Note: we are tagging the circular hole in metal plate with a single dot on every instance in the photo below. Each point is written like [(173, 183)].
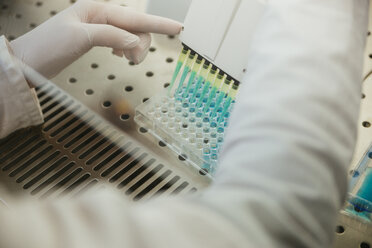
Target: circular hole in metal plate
[(145, 99), (340, 229), (18, 16), (94, 65), (125, 117), (370, 155), (171, 37), (39, 3), (152, 49), (149, 74), (53, 12), (72, 80), (131, 63), (106, 104), (89, 92), (143, 130), (111, 77), (366, 124), (166, 85), (182, 157), (129, 88), (364, 245), (169, 60), (32, 25), (162, 144)]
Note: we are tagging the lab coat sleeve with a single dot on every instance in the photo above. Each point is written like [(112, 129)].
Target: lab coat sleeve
[(282, 174), (292, 135), (19, 106)]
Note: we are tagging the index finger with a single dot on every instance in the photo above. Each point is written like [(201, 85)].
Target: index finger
[(133, 21)]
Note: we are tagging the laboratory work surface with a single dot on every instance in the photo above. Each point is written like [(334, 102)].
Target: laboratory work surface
[(90, 137)]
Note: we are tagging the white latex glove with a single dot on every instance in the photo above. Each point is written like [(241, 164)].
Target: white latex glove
[(58, 42)]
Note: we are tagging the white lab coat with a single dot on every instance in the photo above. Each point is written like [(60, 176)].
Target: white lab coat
[(282, 174)]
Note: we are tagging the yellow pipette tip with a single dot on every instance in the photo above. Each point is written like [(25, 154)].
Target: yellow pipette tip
[(198, 63), (226, 85), (219, 79), (234, 90), (183, 55), (212, 74), (191, 59)]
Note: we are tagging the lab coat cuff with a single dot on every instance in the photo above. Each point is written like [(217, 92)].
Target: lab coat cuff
[(28, 111)]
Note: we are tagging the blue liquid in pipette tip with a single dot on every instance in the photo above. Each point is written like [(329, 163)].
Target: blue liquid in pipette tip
[(203, 108), (210, 99), (175, 74), (205, 90), (182, 80), (191, 81), (196, 88), (225, 109), (218, 103)]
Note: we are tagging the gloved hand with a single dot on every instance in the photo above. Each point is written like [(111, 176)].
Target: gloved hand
[(58, 42)]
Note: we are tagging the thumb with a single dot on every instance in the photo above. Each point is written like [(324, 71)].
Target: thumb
[(110, 36)]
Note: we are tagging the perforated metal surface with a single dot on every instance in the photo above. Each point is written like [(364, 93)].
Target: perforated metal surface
[(350, 232), (74, 149), (113, 88)]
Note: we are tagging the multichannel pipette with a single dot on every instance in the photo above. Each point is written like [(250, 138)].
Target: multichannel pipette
[(194, 115)]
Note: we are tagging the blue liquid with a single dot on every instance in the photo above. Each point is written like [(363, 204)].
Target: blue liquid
[(365, 190), (218, 103), (175, 74), (183, 78), (362, 204), (206, 109), (205, 90), (210, 98), (191, 80), (196, 89), (225, 109)]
